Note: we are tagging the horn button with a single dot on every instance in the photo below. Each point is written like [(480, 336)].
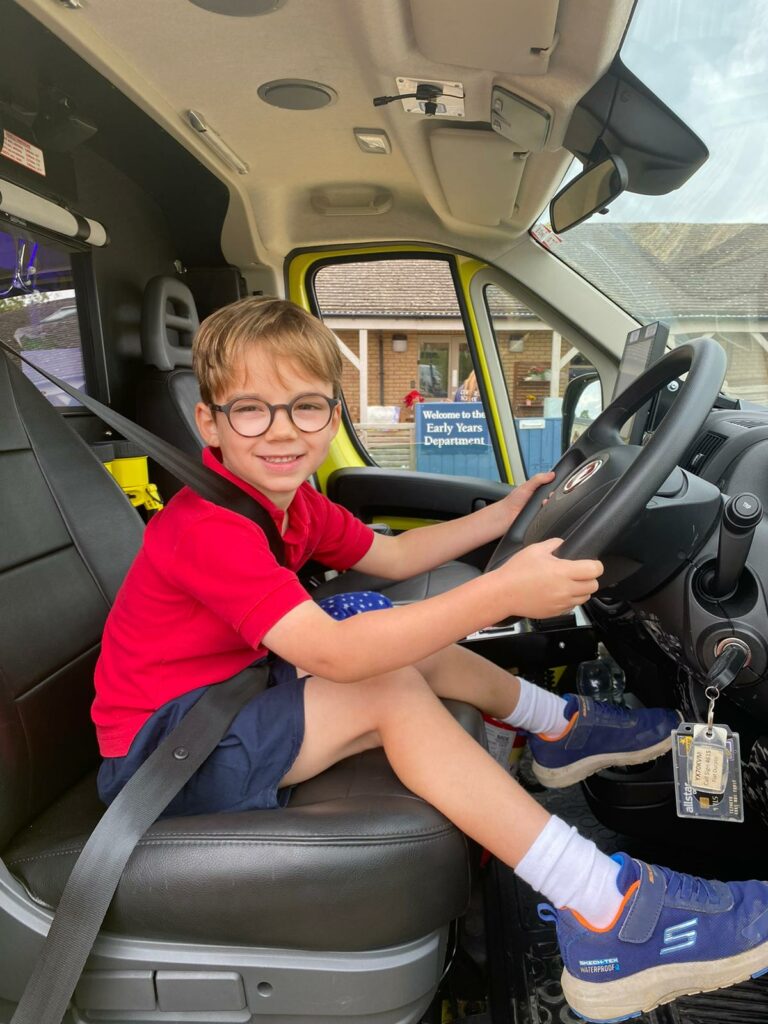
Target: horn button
[(580, 492)]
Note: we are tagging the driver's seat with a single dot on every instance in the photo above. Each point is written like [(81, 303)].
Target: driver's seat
[(336, 907)]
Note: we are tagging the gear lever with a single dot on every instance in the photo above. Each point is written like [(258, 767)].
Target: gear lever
[(741, 515)]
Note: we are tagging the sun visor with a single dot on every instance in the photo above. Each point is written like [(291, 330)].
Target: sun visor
[(496, 35), (620, 116), (479, 173)]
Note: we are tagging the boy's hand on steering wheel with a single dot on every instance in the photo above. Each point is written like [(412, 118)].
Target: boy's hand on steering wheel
[(516, 501), (542, 585)]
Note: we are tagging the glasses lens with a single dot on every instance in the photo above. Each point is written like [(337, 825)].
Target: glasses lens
[(311, 412), (249, 417)]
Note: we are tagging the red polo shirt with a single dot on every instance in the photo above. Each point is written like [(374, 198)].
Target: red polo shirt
[(201, 594)]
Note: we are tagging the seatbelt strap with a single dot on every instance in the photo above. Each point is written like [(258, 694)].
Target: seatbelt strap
[(96, 874), (188, 470)]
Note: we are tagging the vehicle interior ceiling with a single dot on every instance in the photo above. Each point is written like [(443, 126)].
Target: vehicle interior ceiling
[(109, 89), (454, 182)]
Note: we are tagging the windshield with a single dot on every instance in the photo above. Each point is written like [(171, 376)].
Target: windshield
[(696, 258)]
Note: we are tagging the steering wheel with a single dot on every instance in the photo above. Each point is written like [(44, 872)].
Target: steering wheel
[(601, 483)]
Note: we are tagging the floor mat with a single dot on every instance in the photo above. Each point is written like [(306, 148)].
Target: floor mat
[(525, 964)]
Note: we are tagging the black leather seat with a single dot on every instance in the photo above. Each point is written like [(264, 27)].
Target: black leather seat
[(346, 894), (166, 400)]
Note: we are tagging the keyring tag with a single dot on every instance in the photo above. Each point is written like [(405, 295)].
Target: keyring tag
[(702, 763), (708, 759)]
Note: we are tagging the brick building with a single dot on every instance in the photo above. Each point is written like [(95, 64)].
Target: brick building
[(401, 328), (405, 318)]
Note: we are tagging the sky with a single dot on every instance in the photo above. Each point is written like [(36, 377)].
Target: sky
[(708, 61)]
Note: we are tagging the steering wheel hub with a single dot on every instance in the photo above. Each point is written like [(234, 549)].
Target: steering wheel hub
[(582, 474)]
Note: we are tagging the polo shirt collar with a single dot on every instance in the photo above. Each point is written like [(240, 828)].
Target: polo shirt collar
[(296, 515)]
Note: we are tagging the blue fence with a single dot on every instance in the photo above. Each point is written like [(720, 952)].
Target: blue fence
[(452, 439), (540, 441)]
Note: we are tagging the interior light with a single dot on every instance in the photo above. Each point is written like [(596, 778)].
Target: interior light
[(372, 140), (215, 142)]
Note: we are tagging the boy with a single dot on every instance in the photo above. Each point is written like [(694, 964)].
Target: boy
[(205, 597)]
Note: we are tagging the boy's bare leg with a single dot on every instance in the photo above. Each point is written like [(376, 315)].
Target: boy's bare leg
[(460, 674), (429, 751)]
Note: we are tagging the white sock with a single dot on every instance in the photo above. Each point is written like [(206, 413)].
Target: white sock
[(571, 872), (538, 710)]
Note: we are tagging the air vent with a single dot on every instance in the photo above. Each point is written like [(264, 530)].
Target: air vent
[(703, 451)]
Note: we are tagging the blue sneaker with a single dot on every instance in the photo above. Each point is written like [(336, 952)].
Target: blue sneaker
[(600, 735), (674, 935)]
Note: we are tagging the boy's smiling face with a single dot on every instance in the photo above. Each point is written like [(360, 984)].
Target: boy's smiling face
[(278, 462)]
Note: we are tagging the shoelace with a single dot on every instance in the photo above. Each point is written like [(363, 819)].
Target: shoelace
[(602, 709), (691, 888)]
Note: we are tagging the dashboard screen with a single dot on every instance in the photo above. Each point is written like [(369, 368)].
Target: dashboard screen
[(643, 347)]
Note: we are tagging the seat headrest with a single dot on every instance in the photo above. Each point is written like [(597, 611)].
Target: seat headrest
[(168, 323)]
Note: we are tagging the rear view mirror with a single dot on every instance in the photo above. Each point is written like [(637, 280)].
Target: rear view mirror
[(592, 190)]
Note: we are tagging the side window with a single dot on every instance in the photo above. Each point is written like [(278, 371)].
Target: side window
[(409, 380), (38, 311), (538, 364)]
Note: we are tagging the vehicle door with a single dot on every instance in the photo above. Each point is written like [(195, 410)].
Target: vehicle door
[(453, 383)]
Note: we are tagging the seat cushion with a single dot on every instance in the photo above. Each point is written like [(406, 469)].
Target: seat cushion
[(416, 588), (354, 862)]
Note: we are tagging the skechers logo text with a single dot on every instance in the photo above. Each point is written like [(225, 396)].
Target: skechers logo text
[(679, 936), (605, 966)]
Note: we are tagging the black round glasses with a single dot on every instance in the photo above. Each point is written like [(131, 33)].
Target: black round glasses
[(252, 417)]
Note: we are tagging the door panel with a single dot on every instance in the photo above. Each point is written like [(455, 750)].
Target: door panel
[(404, 499)]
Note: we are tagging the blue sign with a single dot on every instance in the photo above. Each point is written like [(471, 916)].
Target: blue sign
[(452, 438), (446, 426)]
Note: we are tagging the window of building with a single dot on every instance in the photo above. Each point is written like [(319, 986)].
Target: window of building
[(38, 311), (407, 360)]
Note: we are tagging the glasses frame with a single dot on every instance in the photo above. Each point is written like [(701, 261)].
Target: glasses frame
[(226, 409)]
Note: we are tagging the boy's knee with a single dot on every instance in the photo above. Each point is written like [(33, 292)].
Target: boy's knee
[(401, 688)]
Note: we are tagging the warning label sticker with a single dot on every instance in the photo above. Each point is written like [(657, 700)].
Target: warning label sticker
[(22, 152)]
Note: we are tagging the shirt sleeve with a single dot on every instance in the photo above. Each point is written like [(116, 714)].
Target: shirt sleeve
[(344, 539), (224, 561)]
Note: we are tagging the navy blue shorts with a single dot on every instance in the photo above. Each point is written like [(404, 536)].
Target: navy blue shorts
[(245, 769)]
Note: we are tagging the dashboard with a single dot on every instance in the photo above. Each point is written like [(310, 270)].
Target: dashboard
[(680, 617)]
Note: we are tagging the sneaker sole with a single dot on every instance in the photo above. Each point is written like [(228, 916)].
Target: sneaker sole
[(568, 775), (642, 992)]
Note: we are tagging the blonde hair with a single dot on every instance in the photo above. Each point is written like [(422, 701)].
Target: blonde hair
[(282, 329), (469, 388)]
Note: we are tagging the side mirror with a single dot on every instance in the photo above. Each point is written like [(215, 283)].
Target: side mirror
[(582, 404), (592, 190)]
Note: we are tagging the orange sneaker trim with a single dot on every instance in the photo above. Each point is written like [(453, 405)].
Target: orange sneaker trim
[(601, 931), (549, 738)]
